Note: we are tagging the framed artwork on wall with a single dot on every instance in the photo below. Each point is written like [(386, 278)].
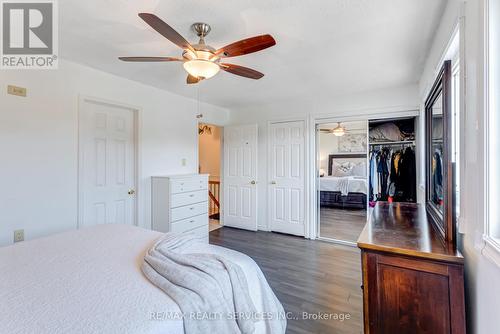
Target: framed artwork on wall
[(352, 143)]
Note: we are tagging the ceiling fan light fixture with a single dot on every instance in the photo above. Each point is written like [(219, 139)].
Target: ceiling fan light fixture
[(201, 68), (339, 131)]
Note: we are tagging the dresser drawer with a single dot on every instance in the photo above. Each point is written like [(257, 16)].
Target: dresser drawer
[(185, 185), (190, 224), (183, 212), (191, 197)]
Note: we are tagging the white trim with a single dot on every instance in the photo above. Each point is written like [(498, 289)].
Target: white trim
[(221, 177), (137, 112), (337, 241), (491, 247), (491, 250), (367, 113)]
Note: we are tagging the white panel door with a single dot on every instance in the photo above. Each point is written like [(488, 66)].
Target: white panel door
[(287, 177), (107, 164), (240, 177)]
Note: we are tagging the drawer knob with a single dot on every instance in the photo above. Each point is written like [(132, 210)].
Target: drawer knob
[(191, 208), (191, 221), (191, 195)]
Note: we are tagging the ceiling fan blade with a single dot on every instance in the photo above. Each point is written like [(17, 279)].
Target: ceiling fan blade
[(192, 79), (246, 46), (165, 30), (149, 59), (242, 71)]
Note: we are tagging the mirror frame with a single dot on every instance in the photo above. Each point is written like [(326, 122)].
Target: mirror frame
[(444, 222)]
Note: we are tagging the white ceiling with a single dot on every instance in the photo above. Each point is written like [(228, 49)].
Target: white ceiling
[(324, 47)]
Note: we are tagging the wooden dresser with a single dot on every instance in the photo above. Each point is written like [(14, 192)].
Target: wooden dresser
[(180, 203), (412, 283)]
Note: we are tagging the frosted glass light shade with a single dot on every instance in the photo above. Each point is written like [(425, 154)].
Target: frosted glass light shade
[(201, 68)]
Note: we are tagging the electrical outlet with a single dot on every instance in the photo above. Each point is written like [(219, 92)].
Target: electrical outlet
[(18, 235), (184, 162)]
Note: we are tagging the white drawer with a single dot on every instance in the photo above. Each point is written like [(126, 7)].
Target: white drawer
[(183, 212), (190, 223), (188, 198), (185, 185)]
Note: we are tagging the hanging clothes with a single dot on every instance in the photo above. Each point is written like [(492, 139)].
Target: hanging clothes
[(393, 175), (437, 175), (408, 175), (373, 176)]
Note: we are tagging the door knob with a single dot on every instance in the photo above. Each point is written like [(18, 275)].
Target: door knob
[(253, 182), (131, 191), (273, 182)]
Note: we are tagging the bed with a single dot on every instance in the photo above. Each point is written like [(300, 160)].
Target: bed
[(90, 281), (348, 191)]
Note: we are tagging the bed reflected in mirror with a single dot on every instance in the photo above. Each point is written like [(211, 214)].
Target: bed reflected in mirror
[(342, 180)]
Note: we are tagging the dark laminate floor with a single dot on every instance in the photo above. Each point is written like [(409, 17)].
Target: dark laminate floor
[(342, 224), (307, 276)]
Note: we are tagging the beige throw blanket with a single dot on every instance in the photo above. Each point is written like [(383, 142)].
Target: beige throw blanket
[(209, 289)]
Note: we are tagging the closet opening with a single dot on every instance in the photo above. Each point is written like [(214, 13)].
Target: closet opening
[(342, 184), (392, 161), (360, 163), (209, 162)]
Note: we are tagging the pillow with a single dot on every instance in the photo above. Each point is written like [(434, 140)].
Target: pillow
[(342, 169), (359, 169)]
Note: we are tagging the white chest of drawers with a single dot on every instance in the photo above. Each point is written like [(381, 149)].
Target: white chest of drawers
[(180, 203)]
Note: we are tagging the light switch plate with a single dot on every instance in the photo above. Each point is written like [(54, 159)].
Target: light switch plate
[(14, 90), (184, 161), (18, 235)]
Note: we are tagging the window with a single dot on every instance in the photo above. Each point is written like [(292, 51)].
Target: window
[(492, 228), (455, 129)]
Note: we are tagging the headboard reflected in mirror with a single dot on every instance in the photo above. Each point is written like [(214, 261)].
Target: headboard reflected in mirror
[(358, 161)]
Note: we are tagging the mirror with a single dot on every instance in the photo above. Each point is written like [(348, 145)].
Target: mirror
[(439, 171), (436, 186)]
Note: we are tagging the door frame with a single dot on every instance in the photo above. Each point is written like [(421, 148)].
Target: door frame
[(306, 172), (137, 112), (312, 227), (221, 162)]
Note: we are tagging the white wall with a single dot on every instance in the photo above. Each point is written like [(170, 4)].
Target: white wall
[(360, 104), (209, 146), (38, 143), (482, 275), (328, 144)]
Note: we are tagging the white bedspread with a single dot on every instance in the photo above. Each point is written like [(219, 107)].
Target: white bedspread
[(345, 185), (90, 281)]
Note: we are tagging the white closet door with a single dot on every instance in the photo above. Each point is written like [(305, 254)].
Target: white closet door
[(107, 164), (239, 206), (287, 177)]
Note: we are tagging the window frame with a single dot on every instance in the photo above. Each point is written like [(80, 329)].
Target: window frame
[(491, 247)]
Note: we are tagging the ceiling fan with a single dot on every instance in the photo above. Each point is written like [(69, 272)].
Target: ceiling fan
[(338, 131), (341, 130), (202, 61)]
